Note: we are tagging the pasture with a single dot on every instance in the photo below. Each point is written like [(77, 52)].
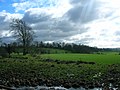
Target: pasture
[(104, 58)]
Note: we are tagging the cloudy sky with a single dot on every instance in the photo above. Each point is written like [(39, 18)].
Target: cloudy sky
[(89, 22)]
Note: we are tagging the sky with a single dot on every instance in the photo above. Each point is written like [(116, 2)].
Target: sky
[(91, 22)]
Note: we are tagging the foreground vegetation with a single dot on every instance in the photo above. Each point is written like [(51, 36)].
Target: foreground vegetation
[(68, 70)]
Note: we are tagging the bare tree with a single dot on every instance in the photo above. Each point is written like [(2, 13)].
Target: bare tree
[(22, 32)]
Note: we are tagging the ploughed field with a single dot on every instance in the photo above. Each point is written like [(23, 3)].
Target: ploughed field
[(67, 70)]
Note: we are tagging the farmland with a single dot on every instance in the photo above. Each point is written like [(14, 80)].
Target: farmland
[(104, 58), (68, 70)]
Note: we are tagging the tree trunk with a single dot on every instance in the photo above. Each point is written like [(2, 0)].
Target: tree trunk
[(24, 51), (24, 47)]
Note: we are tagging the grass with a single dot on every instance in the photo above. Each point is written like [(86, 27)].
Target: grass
[(53, 51), (107, 58)]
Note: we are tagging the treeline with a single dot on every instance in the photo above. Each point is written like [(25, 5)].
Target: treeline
[(41, 47), (46, 48), (72, 47)]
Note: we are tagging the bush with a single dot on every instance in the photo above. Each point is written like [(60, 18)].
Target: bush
[(3, 52)]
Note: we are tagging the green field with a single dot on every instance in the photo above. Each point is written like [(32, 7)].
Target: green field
[(106, 58)]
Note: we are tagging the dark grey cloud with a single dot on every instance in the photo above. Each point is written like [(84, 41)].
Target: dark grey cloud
[(52, 29), (6, 39), (58, 31), (35, 17), (83, 11), (45, 25), (64, 25)]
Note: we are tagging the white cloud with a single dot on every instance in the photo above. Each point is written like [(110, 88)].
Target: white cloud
[(8, 16), (104, 28), (5, 19), (5, 34), (23, 6), (55, 7), (103, 33)]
